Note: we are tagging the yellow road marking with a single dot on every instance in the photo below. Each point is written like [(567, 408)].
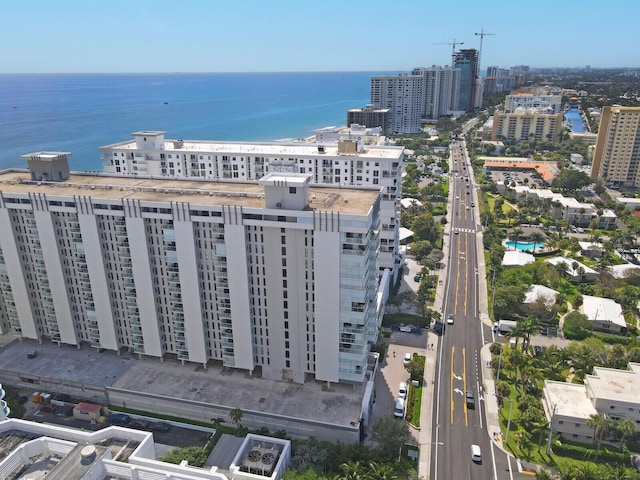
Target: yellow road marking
[(452, 392)]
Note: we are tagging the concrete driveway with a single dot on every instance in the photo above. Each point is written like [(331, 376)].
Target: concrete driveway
[(392, 372)]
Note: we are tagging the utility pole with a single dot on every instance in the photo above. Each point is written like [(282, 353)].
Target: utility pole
[(553, 416)]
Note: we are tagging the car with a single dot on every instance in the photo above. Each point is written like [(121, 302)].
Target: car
[(476, 454), (457, 197), (580, 230), (416, 277), (119, 418), (473, 204), (537, 349), (48, 408), (450, 319), (407, 358), (63, 412), (160, 427), (470, 399), (468, 207), (455, 230), (494, 327), (398, 410), (140, 424), (468, 192), (402, 390), (544, 331)]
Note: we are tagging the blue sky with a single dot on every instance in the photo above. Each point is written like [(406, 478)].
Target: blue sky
[(39, 36)]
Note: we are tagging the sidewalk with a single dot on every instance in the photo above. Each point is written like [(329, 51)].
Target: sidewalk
[(426, 411)]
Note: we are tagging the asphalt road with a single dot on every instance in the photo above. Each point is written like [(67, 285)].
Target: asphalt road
[(457, 426)]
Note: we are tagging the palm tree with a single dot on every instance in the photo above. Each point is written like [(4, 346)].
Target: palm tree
[(625, 427), (527, 327), (536, 238), (582, 361), (562, 267), (381, 471), (236, 415), (350, 471), (599, 422), (515, 235)]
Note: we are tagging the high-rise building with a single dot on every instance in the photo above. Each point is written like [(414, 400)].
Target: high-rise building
[(345, 163), (403, 96), (275, 275), (441, 85), (467, 61), (616, 159), (369, 116), (528, 124)]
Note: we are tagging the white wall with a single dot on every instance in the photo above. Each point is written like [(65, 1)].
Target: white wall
[(327, 280), (190, 290), (235, 243), (99, 286), (16, 275), (144, 285)]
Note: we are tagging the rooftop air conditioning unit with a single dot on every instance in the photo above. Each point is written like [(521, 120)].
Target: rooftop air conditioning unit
[(278, 205)]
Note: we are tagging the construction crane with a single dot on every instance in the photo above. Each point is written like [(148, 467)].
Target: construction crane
[(453, 47), (482, 34)]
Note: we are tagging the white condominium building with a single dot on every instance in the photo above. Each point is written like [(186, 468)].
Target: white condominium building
[(544, 102), (403, 96), (345, 163), (275, 275)]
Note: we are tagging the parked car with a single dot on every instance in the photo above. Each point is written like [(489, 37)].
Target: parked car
[(416, 277), (48, 408), (160, 427), (119, 418), (140, 424), (407, 358), (402, 390)]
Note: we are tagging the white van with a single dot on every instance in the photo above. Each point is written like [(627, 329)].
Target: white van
[(399, 410)]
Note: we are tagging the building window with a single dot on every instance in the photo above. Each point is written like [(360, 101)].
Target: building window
[(292, 190)]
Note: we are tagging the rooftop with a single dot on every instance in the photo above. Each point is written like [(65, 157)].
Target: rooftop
[(599, 309), (535, 292), (340, 405), (614, 384), (197, 192), (621, 271), (297, 149), (570, 399), (516, 258), (570, 261)]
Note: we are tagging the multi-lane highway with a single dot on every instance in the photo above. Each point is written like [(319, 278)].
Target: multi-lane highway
[(458, 423)]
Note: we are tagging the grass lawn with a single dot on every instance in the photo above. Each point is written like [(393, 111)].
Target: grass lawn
[(416, 405)]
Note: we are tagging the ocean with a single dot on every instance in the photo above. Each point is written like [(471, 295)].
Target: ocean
[(78, 113)]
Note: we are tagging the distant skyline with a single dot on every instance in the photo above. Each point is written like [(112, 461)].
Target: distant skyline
[(117, 36)]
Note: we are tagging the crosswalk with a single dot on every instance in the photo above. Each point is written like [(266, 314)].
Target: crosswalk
[(464, 230)]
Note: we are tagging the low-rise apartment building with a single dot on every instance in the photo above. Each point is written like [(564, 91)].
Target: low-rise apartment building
[(568, 209)]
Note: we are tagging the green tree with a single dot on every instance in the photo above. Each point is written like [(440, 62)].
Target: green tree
[(537, 238), (527, 327), (507, 300), (577, 326), (390, 434), (625, 427), (195, 456), (416, 367), (236, 415), (569, 180)]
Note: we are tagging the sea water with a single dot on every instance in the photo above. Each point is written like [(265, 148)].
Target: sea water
[(78, 113)]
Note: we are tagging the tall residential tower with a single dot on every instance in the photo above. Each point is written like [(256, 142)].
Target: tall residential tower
[(276, 275), (617, 155)]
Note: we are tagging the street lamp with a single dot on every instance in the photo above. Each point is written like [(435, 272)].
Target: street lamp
[(553, 416)]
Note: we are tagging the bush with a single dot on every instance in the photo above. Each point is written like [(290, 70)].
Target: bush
[(614, 339), (581, 452)]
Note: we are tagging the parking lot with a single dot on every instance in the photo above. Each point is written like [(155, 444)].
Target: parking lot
[(392, 371)]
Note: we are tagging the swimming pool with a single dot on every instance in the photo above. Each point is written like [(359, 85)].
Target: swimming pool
[(525, 246)]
